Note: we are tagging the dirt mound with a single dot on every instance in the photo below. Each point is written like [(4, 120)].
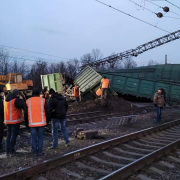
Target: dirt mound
[(112, 104)]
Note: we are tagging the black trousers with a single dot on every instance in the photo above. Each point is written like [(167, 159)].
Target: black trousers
[(1, 132), (103, 93), (12, 133)]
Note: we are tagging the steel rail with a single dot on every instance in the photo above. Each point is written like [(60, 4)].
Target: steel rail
[(66, 158), (96, 118), (133, 167)]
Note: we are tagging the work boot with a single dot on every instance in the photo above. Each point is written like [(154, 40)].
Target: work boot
[(52, 147), (67, 145)]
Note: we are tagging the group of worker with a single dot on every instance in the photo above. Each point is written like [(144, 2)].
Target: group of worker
[(38, 110)]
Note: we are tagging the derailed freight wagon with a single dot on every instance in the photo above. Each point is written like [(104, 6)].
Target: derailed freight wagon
[(88, 80), (55, 81), (165, 72), (142, 87)]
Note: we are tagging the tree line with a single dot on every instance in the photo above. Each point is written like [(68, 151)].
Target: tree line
[(68, 69)]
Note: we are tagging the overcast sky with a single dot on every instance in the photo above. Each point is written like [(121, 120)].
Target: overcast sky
[(71, 28)]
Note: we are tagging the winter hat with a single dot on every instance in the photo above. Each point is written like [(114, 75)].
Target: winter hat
[(15, 92), (51, 91), (45, 89), (35, 91)]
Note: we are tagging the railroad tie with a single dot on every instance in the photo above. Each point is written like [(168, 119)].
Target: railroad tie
[(164, 138), (118, 157), (106, 162), (145, 145), (171, 135), (130, 153), (156, 170), (41, 178), (168, 165), (138, 149), (151, 142), (174, 159), (70, 173), (83, 166), (144, 177), (160, 140), (178, 153)]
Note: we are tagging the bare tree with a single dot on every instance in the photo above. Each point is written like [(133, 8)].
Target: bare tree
[(72, 68), (86, 59), (152, 62), (37, 69), (129, 63), (19, 67), (4, 61), (96, 54)]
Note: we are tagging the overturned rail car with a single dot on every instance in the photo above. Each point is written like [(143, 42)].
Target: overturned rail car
[(88, 80)]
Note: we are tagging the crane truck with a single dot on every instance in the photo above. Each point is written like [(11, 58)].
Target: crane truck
[(13, 81)]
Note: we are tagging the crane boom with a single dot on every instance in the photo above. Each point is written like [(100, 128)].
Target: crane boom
[(139, 50)]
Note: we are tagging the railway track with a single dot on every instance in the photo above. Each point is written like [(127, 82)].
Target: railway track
[(117, 158)]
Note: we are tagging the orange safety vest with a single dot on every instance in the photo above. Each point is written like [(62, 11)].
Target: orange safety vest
[(76, 92), (105, 83), (98, 92), (36, 112), (12, 115)]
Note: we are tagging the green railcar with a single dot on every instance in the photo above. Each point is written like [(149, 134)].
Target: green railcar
[(165, 72), (141, 87), (54, 81), (88, 80)]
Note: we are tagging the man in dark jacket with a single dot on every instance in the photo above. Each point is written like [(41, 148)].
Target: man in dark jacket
[(58, 109), (158, 101), (1, 117), (17, 104)]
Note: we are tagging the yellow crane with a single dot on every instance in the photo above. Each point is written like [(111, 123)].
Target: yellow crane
[(15, 81)]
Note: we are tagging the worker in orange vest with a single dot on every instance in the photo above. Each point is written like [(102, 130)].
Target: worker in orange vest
[(13, 116), (104, 86), (76, 92), (35, 113)]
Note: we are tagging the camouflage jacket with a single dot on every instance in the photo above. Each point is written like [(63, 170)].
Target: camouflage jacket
[(159, 99)]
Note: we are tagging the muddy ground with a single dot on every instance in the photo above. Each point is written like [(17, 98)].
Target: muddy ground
[(112, 104), (107, 129)]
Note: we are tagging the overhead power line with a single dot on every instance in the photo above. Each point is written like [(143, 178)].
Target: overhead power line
[(132, 16), (157, 14), (162, 7), (172, 4), (27, 59), (36, 52), (142, 6), (18, 55)]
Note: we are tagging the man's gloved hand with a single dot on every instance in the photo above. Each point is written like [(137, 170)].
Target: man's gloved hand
[(155, 105)]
